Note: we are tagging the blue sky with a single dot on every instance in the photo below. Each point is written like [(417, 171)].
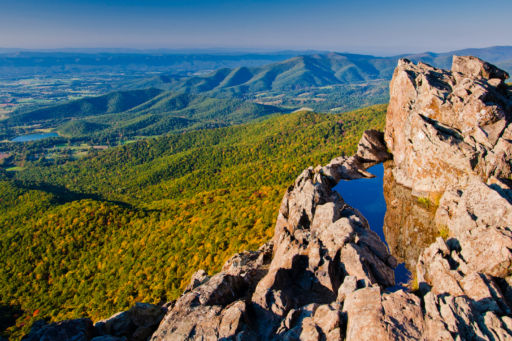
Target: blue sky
[(367, 26)]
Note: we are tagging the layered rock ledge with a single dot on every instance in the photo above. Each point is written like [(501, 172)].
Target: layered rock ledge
[(325, 275)]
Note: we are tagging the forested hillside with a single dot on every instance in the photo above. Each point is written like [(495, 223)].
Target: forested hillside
[(90, 106), (94, 236), (139, 113)]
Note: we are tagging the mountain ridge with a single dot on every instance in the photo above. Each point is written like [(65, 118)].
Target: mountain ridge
[(141, 113), (331, 68)]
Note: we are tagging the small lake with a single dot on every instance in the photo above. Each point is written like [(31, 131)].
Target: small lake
[(367, 196), (34, 137)]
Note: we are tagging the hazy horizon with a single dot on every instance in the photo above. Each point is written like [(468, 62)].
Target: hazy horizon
[(365, 26), (218, 51)]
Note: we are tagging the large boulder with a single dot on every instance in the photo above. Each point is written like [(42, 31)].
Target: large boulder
[(374, 315), (72, 330), (135, 324), (443, 126)]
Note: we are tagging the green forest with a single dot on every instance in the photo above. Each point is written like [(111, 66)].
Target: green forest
[(133, 223)]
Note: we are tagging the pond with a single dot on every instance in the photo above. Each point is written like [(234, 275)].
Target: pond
[(367, 196), (34, 137)]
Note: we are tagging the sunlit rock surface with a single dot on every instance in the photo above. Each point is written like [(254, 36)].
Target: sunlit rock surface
[(443, 127)]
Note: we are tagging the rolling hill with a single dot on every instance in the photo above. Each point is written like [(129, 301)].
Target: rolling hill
[(316, 70), (296, 73), (113, 102), (141, 113)]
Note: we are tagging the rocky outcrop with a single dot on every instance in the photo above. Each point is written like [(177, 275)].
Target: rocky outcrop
[(443, 127), (79, 330), (135, 324), (217, 307), (370, 151), (325, 275), (449, 132), (295, 285)]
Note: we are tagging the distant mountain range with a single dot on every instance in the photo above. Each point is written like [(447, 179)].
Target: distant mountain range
[(166, 103), (315, 70), (248, 67), (77, 62), (295, 73)]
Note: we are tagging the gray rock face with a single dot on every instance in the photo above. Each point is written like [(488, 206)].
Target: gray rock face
[(477, 68), (76, 330), (135, 324), (374, 315), (449, 133), (198, 278), (371, 148)]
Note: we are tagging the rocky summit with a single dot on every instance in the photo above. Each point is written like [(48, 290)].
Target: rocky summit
[(325, 275), (445, 127)]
